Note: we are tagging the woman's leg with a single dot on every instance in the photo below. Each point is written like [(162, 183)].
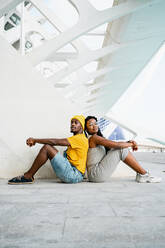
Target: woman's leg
[(142, 175), (104, 169), (131, 162), (46, 152)]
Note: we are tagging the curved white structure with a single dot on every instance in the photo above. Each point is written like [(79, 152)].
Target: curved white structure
[(42, 86)]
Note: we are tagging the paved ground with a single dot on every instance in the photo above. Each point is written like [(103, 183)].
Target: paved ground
[(117, 214)]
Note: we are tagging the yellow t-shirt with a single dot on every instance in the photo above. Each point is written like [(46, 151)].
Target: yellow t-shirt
[(77, 151)]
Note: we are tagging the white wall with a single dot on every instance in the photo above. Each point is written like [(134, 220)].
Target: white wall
[(29, 107)]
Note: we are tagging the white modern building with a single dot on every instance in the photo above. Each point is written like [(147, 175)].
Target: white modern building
[(59, 58)]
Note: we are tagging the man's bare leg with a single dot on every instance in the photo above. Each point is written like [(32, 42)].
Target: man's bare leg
[(131, 161), (46, 152)]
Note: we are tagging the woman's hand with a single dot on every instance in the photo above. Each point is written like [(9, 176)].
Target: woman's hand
[(30, 142)]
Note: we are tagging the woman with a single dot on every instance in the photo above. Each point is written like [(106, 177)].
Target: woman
[(104, 155)]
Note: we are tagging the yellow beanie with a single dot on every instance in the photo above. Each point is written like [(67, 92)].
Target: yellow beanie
[(81, 119)]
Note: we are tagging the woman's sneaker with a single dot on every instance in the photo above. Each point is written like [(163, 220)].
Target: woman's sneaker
[(147, 178)]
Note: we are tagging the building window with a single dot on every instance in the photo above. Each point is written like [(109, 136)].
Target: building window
[(15, 19), (8, 26), (28, 44)]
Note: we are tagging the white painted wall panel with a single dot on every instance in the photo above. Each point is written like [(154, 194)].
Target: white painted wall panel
[(29, 106)]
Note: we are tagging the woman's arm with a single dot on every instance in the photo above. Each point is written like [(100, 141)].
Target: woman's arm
[(97, 140), (52, 142)]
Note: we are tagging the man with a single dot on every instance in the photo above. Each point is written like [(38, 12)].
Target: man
[(70, 168)]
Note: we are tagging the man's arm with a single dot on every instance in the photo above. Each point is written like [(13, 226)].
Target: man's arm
[(53, 142)]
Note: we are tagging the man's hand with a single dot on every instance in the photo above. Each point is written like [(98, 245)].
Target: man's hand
[(30, 142), (135, 145)]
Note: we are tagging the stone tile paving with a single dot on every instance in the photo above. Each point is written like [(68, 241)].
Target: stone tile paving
[(118, 214)]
